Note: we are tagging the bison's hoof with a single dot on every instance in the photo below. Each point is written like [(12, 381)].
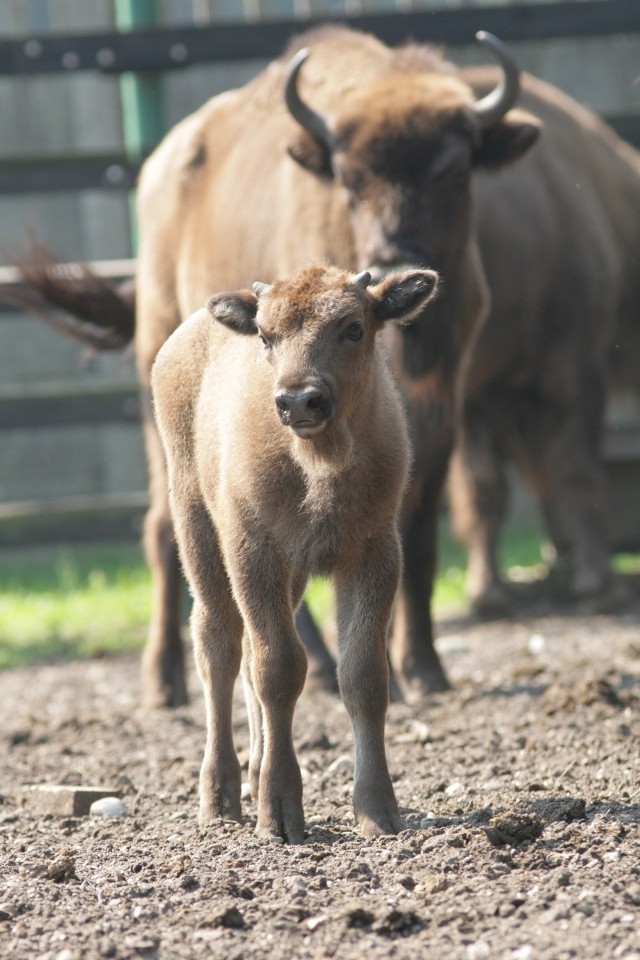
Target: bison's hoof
[(493, 603), (421, 683), (323, 680), (163, 687)]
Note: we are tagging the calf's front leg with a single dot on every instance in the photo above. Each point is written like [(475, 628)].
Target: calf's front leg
[(365, 593), (274, 674), (216, 628)]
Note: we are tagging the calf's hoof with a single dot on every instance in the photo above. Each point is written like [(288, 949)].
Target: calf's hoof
[(220, 793), (380, 822), (375, 805), (212, 811), (285, 825)]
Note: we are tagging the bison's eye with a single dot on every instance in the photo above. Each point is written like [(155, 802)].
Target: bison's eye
[(354, 332)]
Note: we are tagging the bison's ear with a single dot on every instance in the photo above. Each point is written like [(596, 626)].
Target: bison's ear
[(402, 296), (235, 310), (507, 140), (311, 154)]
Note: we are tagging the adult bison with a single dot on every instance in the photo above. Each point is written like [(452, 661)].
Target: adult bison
[(376, 158), (344, 150)]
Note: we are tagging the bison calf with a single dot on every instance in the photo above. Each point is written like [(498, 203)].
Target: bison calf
[(287, 453)]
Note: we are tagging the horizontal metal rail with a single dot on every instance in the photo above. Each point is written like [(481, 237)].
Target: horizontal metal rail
[(82, 519), (166, 48), (72, 172), (69, 404)]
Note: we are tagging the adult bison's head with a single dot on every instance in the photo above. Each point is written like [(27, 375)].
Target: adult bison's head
[(404, 147)]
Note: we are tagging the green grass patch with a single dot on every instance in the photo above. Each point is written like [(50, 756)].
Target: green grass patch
[(520, 550), (72, 602), (91, 601)]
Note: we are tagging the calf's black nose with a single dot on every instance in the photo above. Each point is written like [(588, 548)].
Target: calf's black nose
[(303, 407)]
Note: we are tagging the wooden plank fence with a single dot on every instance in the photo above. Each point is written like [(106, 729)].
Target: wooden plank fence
[(54, 405)]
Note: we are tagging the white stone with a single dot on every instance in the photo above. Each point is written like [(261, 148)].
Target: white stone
[(525, 952), (454, 789), (537, 643), (342, 764), (107, 807)]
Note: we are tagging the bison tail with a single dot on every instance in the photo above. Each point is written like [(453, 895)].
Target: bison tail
[(75, 299)]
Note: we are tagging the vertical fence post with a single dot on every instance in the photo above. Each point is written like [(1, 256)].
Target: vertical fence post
[(141, 97)]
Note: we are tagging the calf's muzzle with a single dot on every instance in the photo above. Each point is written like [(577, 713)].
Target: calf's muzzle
[(306, 410)]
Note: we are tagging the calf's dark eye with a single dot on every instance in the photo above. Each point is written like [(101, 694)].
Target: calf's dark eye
[(354, 332)]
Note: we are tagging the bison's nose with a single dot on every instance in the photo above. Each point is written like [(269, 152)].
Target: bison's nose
[(304, 410)]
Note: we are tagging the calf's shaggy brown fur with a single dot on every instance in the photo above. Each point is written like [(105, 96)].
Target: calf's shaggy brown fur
[(287, 452)]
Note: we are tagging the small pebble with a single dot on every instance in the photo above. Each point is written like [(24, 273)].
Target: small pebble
[(107, 807), (454, 789), (342, 764), (537, 643)]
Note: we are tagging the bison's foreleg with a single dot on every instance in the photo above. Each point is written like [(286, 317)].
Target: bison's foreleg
[(163, 678), (413, 653), (321, 674), (365, 593), (566, 469), (478, 497)]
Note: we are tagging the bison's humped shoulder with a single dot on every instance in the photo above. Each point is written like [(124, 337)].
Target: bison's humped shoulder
[(184, 150)]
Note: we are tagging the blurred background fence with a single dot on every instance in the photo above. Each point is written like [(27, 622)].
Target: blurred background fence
[(87, 88)]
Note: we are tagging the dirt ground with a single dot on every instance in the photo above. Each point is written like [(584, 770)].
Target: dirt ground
[(521, 792)]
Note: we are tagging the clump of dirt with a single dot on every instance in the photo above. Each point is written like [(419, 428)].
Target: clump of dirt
[(510, 829), (63, 868), (588, 691), (560, 808)]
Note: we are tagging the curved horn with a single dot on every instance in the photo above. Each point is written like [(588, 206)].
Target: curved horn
[(260, 288), (494, 105), (362, 280), (314, 123)]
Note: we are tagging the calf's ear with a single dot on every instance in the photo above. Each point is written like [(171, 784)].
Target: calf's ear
[(402, 296), (237, 311)]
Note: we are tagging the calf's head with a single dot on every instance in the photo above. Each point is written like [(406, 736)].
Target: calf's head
[(403, 148), (317, 334)]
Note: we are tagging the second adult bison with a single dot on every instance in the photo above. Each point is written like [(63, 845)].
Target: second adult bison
[(375, 158)]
